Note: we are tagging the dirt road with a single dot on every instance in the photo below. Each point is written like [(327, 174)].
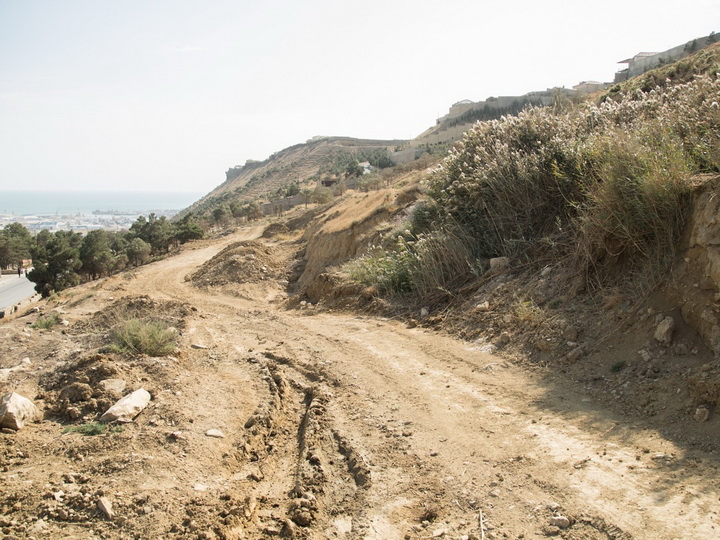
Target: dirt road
[(343, 426)]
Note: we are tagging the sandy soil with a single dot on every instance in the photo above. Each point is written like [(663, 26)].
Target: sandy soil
[(335, 426)]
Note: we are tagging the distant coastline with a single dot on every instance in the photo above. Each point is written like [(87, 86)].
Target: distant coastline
[(49, 203)]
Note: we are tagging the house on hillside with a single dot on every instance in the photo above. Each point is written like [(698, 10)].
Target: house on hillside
[(637, 65), (645, 61)]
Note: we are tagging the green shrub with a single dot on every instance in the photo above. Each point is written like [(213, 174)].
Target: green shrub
[(424, 266), (138, 336), (92, 428), (47, 322)]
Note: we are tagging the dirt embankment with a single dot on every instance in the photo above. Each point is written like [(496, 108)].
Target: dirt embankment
[(345, 231)]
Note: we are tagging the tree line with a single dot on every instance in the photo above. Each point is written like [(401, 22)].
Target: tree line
[(64, 259)]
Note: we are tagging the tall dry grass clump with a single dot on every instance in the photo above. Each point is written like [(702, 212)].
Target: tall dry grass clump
[(606, 185)]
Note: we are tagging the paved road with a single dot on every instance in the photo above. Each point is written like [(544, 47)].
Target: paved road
[(14, 289)]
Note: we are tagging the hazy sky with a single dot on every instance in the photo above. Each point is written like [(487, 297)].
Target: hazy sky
[(168, 94)]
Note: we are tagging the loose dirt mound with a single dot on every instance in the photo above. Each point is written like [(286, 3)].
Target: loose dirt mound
[(275, 229), (241, 262), (136, 307)]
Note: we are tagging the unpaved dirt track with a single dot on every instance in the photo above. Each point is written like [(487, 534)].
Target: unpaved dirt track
[(343, 426), (442, 438)]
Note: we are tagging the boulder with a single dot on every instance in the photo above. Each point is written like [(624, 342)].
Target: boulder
[(128, 407), (16, 410)]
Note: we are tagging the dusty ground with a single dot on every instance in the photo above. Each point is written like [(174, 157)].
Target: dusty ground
[(335, 426)]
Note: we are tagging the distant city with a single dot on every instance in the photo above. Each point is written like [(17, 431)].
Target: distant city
[(109, 221), (89, 210)]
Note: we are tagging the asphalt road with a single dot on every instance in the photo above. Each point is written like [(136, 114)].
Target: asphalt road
[(14, 289)]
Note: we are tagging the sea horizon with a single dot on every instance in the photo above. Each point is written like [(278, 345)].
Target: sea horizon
[(68, 202)]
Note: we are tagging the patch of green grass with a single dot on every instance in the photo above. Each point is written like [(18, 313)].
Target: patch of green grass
[(138, 336), (47, 322), (92, 428)]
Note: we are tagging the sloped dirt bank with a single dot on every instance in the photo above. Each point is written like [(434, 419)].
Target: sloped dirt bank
[(344, 231)]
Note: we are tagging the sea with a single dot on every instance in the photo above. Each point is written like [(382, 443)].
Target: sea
[(52, 203)]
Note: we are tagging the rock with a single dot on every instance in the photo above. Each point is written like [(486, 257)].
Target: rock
[(483, 306), (199, 346), (128, 407), (16, 411), (22, 366), (215, 433), (112, 385), (702, 414), (664, 330), (498, 264), (551, 530), (502, 340), (645, 355), (574, 355), (424, 312), (559, 521), (105, 506), (303, 517)]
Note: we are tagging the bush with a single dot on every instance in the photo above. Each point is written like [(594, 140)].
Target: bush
[(47, 322), (138, 336), (427, 266), (606, 185)]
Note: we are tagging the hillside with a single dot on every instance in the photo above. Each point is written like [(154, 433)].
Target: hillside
[(302, 165)]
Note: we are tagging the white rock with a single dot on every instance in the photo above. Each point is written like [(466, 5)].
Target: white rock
[(664, 330), (105, 506), (128, 407), (560, 521), (215, 433), (199, 346), (16, 410), (112, 385), (424, 312)]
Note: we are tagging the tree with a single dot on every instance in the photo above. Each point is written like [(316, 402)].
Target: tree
[(56, 261), (188, 229), (137, 251), (95, 254), (354, 170), (221, 214), (158, 232), (15, 242)]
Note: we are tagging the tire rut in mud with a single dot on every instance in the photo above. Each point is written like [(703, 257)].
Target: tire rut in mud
[(300, 474)]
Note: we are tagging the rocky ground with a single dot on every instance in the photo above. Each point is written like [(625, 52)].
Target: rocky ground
[(314, 422)]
